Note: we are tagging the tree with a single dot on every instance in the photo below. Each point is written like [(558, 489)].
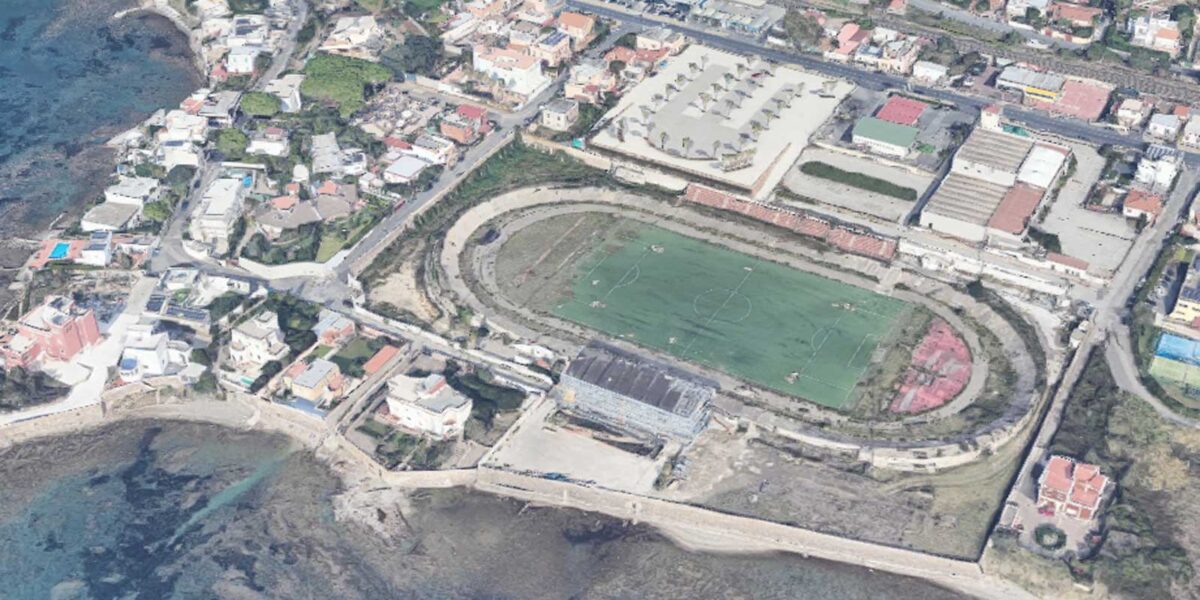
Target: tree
[(260, 104), (616, 66), (232, 143), (156, 211), (802, 29), (341, 80), (418, 54), (180, 177)]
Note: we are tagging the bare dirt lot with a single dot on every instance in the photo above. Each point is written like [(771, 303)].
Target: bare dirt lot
[(767, 476)]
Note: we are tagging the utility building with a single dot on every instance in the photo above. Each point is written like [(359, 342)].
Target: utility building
[(635, 394)]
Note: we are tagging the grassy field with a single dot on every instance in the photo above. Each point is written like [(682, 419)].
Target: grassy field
[(783, 329)]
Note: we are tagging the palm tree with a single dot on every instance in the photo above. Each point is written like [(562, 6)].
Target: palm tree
[(741, 69), (716, 147), (687, 145), (728, 77), (662, 138), (704, 100)]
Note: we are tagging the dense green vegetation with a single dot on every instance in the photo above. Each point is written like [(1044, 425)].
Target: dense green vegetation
[(231, 142), (1149, 460), (516, 165), (297, 318), (351, 358), (21, 389), (260, 104), (858, 180), (341, 81), (418, 54), (488, 398)]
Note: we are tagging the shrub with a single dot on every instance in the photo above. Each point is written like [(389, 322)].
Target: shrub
[(858, 180)]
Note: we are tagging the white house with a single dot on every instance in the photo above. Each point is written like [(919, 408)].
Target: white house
[(1156, 33), (287, 89), (240, 60), (433, 149), (405, 169), (271, 141), (220, 207), (149, 354), (520, 73), (929, 72), (1158, 168), (256, 342), (179, 125), (1131, 113), (132, 190), (98, 251), (1164, 127), (427, 405)]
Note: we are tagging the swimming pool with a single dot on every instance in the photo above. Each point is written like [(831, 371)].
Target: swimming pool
[(60, 251)]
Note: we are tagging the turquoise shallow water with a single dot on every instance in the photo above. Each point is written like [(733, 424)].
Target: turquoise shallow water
[(70, 77), (172, 510)]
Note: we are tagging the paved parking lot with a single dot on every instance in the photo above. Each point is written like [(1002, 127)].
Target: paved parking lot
[(876, 206), (1102, 239)]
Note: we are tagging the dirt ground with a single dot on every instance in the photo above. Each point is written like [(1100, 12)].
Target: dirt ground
[(402, 290), (765, 476)]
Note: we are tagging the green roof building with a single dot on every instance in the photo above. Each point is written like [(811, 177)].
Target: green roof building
[(884, 137)]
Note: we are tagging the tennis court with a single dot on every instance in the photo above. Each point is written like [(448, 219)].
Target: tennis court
[(774, 326)]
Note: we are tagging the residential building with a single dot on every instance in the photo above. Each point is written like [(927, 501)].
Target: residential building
[(1187, 305), (256, 342), (635, 393), (590, 81), (1164, 127), (1158, 168), (1017, 9), (110, 216), (1191, 134), (180, 125), (516, 71), (1072, 488), (326, 154), (220, 208), (98, 251), (404, 170), (56, 330), (333, 328), (356, 37), (883, 137), (148, 354), (1131, 112), (1140, 204), (1032, 84), (177, 153), (465, 125), (241, 60), (380, 360), (248, 30), (434, 150), (427, 405), (133, 190), (271, 141), (553, 49), (1156, 33), (660, 38), (287, 89), (219, 107), (318, 381), (929, 72), (560, 114), (578, 27)]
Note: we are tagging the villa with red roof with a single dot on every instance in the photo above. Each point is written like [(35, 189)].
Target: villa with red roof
[(1140, 203), (1072, 488)]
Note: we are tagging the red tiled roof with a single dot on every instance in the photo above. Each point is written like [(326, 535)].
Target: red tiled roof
[(470, 111), (1018, 205), (1144, 201), (1057, 476), (901, 110), (375, 363), (1069, 261)]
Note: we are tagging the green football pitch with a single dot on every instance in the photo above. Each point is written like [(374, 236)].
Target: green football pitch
[(771, 325)]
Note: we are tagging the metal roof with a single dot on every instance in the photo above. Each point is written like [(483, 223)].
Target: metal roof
[(642, 379)]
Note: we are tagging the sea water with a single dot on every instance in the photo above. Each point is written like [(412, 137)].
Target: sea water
[(174, 510), (71, 76)]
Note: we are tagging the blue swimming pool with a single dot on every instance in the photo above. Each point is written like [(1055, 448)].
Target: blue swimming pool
[(60, 251)]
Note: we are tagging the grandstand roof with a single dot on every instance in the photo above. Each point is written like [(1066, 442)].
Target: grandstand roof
[(967, 199), (642, 379)]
